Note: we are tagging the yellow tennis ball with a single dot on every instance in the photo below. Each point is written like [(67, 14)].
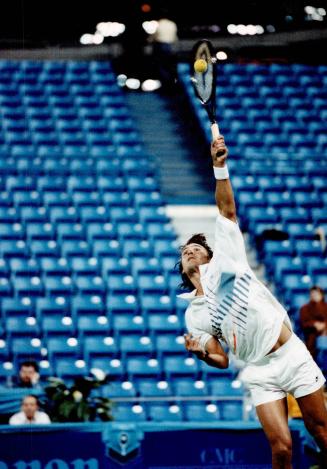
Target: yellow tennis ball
[(200, 66)]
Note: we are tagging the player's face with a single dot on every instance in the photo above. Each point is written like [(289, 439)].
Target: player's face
[(194, 255)]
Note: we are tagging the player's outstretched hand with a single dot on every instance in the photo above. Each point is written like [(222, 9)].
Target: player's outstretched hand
[(219, 152)]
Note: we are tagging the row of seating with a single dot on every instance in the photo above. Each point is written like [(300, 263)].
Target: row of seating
[(210, 411)]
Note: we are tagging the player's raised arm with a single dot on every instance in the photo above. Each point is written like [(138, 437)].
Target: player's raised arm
[(224, 192)]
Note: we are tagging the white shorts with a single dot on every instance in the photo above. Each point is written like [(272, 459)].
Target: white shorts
[(291, 369)]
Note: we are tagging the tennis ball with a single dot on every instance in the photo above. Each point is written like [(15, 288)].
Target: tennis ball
[(200, 66)]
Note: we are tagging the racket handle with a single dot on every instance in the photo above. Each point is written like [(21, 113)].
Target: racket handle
[(215, 131)]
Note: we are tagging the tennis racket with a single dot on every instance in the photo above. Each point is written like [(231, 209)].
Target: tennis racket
[(204, 81)]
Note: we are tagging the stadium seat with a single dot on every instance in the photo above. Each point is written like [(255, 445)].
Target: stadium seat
[(231, 411), (188, 387), (137, 367), (114, 367), (154, 388), (136, 345), (161, 412), (117, 389), (70, 367), (101, 346), (179, 365), (129, 413), (201, 412)]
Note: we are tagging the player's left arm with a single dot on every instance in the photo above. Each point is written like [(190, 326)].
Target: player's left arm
[(214, 354), (224, 192)]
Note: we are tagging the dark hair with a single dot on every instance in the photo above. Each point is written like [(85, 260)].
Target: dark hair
[(30, 363), (200, 239)]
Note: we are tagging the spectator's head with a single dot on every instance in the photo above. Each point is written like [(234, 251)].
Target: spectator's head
[(29, 373), (195, 252), (30, 405), (316, 294)]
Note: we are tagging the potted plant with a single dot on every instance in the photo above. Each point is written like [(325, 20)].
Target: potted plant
[(76, 403)]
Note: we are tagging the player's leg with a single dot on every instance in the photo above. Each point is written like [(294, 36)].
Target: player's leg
[(314, 414), (273, 417)]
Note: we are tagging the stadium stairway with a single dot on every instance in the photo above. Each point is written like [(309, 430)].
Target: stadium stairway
[(171, 136)]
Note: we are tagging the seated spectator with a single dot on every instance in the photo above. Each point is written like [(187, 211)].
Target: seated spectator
[(29, 413), (28, 376), (313, 318)]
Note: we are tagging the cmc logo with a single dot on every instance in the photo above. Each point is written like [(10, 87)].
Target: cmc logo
[(224, 456), (52, 464)]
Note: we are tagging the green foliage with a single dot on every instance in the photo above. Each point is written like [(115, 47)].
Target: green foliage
[(76, 403)]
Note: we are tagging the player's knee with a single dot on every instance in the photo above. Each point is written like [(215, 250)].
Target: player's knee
[(282, 448)]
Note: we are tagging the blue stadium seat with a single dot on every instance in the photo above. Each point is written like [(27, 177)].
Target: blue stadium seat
[(87, 305), (99, 346), (135, 344), (179, 365), (308, 248), (186, 387), (28, 285), (58, 285), (231, 411), (117, 389), (129, 413), (138, 367), (156, 303), (161, 412), (169, 343), (201, 412), (128, 324), (51, 306), (225, 387), (84, 266), (56, 325), (16, 326), (89, 284), (154, 388), (12, 248), (23, 348), (114, 367), (70, 367), (121, 283)]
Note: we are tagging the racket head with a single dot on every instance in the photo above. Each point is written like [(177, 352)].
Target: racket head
[(204, 83)]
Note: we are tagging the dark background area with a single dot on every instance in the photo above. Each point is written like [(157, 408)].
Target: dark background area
[(35, 23)]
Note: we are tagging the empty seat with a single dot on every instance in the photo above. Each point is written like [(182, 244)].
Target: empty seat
[(129, 413), (142, 366), (189, 387), (179, 365), (201, 412), (133, 345), (161, 412), (154, 388)]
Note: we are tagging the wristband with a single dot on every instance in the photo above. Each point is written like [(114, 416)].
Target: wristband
[(221, 173)]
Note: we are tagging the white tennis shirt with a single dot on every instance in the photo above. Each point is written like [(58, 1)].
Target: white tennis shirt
[(236, 307)]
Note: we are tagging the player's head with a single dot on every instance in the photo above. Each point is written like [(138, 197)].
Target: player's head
[(316, 294), (194, 252)]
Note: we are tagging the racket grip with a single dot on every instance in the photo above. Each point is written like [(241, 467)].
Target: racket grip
[(215, 131)]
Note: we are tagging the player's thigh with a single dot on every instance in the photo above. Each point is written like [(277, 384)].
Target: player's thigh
[(273, 417), (313, 410)]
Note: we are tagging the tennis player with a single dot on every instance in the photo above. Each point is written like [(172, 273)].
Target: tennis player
[(229, 306)]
